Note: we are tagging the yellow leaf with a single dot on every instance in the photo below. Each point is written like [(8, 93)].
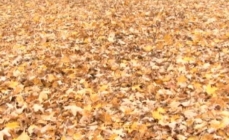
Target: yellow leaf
[(21, 68), (181, 79), (211, 90), (166, 78), (23, 136), (103, 88), (225, 122), (187, 59), (193, 138), (136, 88), (43, 96), (65, 59), (143, 128), (36, 18), (37, 81), (51, 77), (19, 47), (197, 85), (111, 37), (156, 115), (161, 110), (107, 118), (63, 138), (225, 50), (87, 108), (99, 137), (113, 137), (134, 126), (13, 84), (18, 89), (77, 136), (215, 124), (12, 125), (207, 137), (168, 39), (94, 97), (20, 100), (148, 48), (208, 76)]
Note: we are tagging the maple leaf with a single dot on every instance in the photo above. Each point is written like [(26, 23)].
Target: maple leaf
[(157, 114), (211, 90)]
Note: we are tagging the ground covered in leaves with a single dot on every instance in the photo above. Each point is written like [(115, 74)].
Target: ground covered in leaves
[(114, 69)]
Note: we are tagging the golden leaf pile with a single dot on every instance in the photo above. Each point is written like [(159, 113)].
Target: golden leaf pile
[(114, 69)]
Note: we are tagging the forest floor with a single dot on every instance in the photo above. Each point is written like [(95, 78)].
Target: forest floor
[(114, 69)]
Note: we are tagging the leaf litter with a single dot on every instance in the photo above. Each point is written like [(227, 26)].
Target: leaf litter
[(124, 69)]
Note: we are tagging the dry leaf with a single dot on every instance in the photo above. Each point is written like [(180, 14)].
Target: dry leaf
[(211, 90), (23, 136), (148, 48), (38, 107), (32, 128), (111, 37), (13, 84), (43, 96), (12, 125), (114, 70), (74, 109)]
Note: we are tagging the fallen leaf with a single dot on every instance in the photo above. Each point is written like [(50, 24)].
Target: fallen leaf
[(148, 48), (12, 125), (43, 96), (74, 109), (211, 90), (23, 136), (13, 84), (32, 128), (157, 115), (111, 37)]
